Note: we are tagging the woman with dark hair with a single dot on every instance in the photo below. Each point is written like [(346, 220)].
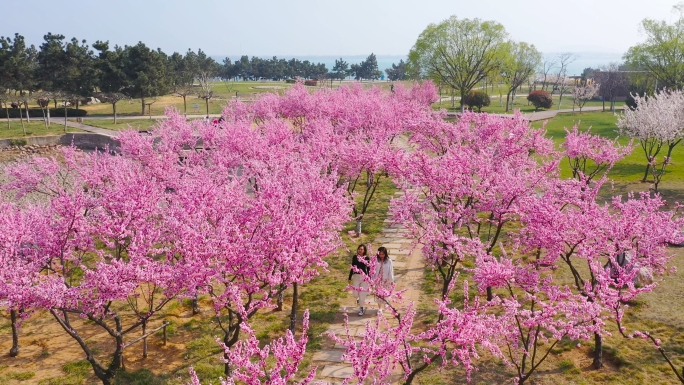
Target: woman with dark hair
[(361, 262), (384, 274)]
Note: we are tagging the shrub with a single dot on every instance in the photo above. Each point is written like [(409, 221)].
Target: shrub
[(290, 81), (540, 99), (38, 113), (17, 142), (311, 82), (477, 99)]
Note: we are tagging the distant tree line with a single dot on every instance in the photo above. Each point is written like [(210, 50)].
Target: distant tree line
[(70, 70)]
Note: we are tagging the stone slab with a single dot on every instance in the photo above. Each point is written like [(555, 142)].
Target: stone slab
[(328, 355), (357, 322), (394, 237), (402, 240), (400, 252), (392, 245), (399, 265), (337, 371), (340, 331)]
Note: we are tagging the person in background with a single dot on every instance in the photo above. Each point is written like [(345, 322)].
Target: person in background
[(361, 262)]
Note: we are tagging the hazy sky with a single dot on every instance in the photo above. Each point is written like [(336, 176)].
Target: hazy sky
[(322, 27)]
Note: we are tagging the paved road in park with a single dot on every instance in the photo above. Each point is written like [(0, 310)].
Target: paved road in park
[(542, 115)]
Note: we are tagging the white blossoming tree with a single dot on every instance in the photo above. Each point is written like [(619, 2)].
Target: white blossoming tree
[(582, 94), (656, 122)]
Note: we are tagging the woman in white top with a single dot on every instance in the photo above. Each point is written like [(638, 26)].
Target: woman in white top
[(384, 271)]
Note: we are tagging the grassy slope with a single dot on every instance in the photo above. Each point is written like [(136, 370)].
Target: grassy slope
[(35, 128)]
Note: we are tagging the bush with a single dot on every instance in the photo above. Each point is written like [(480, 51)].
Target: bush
[(38, 113), (290, 81), (540, 99), (311, 82), (477, 99)]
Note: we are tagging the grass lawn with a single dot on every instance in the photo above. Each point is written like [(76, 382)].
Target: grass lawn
[(497, 105), (35, 128), (122, 124), (627, 173), (223, 92)]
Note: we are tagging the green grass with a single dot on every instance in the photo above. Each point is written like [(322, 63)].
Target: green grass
[(627, 173), (223, 91), (122, 124), (497, 105), (17, 376), (35, 128)]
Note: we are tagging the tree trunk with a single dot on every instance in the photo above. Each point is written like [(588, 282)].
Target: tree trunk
[(14, 351), (65, 117), (28, 117), (603, 101), (185, 106), (144, 341), (293, 313), (207, 102), (357, 230), (142, 100), (490, 295), (105, 374), (508, 96), (226, 365), (42, 110), (280, 299), (23, 128), (48, 115), (9, 126), (114, 108), (598, 352), (648, 168), (463, 95), (195, 305)]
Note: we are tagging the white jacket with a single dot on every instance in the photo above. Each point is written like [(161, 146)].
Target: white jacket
[(385, 271)]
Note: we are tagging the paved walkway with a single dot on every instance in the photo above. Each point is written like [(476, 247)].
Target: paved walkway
[(541, 115), (93, 129), (408, 272)]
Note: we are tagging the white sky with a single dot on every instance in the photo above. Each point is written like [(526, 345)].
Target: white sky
[(322, 27)]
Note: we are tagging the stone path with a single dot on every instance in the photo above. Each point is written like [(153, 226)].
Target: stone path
[(408, 274), (542, 115)]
